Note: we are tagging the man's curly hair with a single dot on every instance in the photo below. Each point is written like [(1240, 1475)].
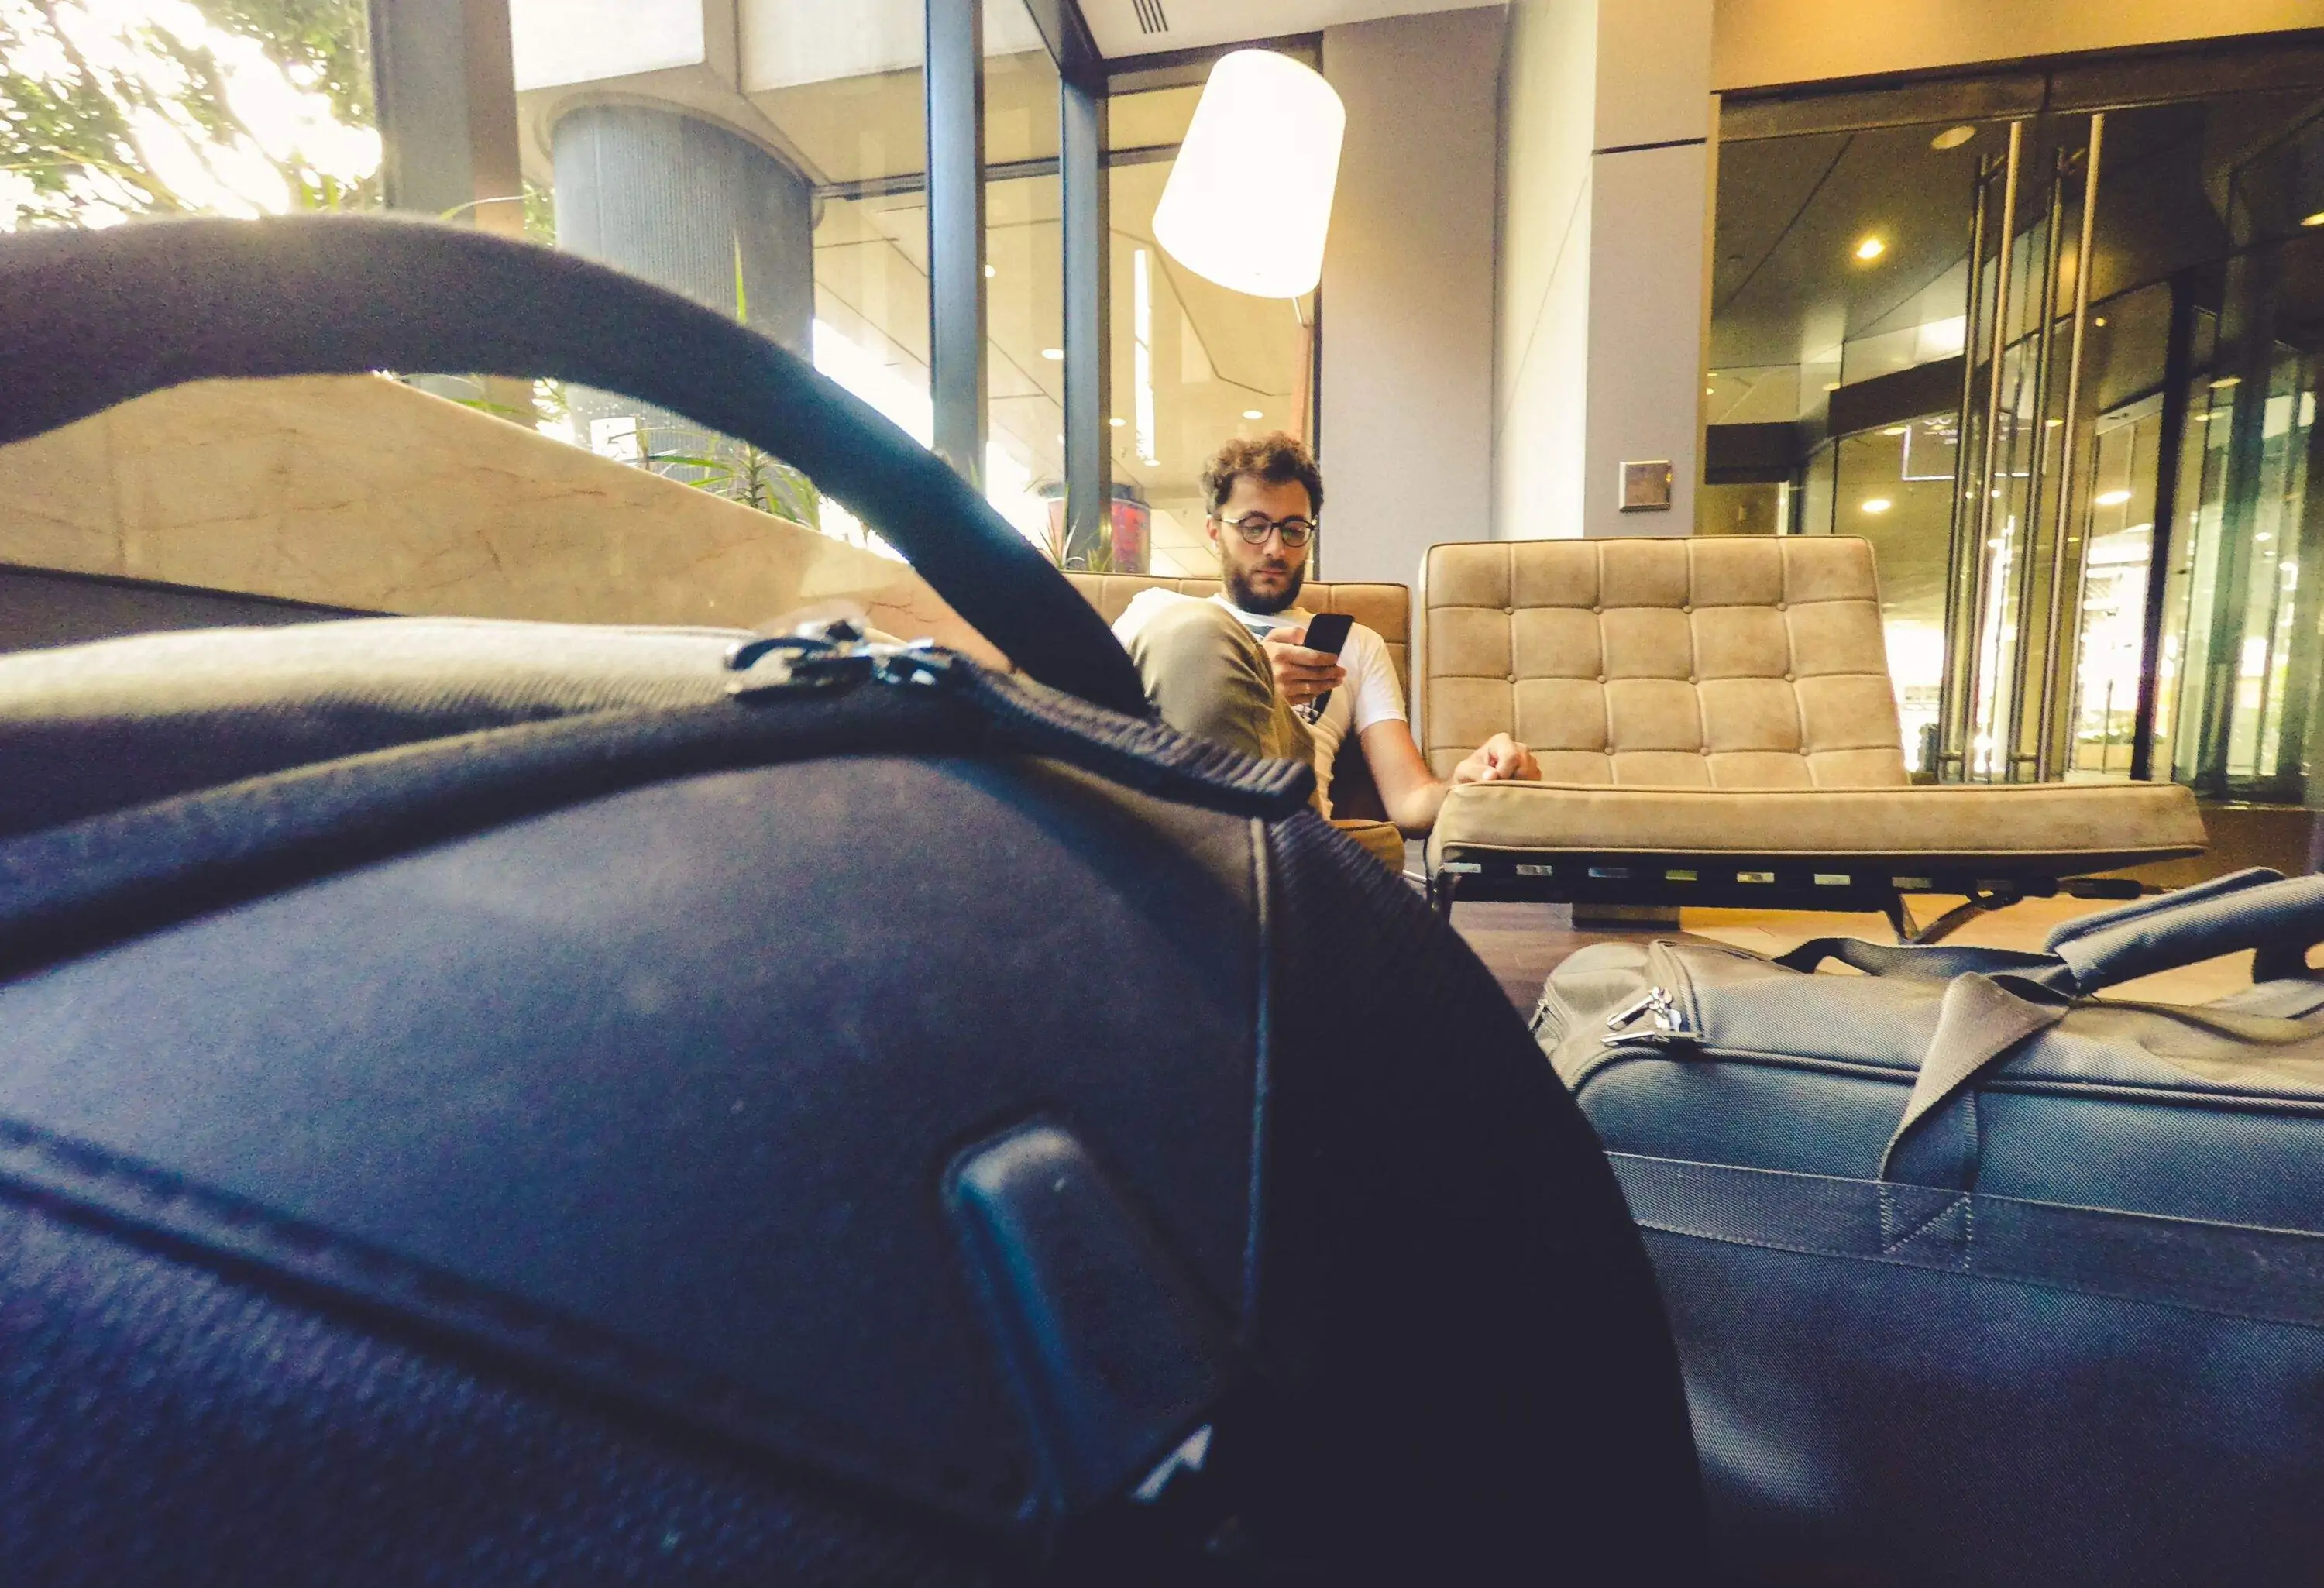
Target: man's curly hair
[(1278, 460)]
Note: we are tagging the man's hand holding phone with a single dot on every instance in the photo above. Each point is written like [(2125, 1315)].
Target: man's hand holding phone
[(1306, 661)]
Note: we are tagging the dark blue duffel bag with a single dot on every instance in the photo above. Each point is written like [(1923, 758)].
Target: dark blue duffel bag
[(498, 1103), (1979, 1277)]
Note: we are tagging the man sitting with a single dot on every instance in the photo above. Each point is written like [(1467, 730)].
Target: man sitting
[(1232, 669)]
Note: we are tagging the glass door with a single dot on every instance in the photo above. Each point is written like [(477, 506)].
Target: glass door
[(2017, 481), (2203, 448), (2096, 290)]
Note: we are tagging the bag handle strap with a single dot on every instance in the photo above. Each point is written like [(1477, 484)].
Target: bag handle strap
[(2280, 918), (1980, 1022), (1932, 962), (2255, 909), (90, 319)]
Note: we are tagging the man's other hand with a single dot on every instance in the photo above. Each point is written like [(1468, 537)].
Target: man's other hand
[(1499, 760), (1301, 674)]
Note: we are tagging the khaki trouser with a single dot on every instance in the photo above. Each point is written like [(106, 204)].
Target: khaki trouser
[(1209, 678)]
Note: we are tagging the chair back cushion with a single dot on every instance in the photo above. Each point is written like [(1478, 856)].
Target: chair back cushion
[(1385, 609), (1726, 662)]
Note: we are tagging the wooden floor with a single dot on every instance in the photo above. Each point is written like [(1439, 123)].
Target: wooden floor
[(1523, 943)]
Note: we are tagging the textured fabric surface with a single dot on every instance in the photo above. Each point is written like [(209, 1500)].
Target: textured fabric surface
[(1383, 841), (1444, 1238), (1208, 678), (1731, 662), (646, 1101), (2068, 829), (90, 728), (163, 1423), (2070, 1330), (577, 1064), (1385, 609)]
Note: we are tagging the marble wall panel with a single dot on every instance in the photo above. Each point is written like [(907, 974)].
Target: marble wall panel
[(358, 491)]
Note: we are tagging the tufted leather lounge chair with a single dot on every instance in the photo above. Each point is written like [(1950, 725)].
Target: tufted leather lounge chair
[(1385, 609), (1716, 726)]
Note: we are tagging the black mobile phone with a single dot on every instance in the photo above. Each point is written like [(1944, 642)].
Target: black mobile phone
[(1326, 632)]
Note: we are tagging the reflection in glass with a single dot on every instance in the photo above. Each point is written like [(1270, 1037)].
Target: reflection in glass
[(2118, 552), (1801, 306), (1894, 487), (1194, 363), (1753, 508)]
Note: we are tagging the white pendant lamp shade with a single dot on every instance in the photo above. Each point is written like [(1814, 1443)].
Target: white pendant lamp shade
[(1250, 197)]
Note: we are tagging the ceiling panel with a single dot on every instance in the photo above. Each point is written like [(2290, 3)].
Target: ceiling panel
[(1128, 27)]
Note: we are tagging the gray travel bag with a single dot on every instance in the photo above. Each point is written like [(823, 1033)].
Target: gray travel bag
[(1978, 1277)]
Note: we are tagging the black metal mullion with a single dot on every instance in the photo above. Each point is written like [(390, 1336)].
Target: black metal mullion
[(1071, 44), (1089, 314), (954, 75), (2178, 370)]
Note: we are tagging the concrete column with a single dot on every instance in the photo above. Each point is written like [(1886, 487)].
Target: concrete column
[(689, 205), (1605, 208), (685, 204)]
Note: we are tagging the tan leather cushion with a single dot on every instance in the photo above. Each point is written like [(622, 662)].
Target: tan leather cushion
[(2066, 829), (1381, 840), (1734, 662), (1385, 609)]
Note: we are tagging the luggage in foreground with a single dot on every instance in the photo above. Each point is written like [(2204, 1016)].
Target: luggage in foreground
[(500, 1102), (1977, 1278)]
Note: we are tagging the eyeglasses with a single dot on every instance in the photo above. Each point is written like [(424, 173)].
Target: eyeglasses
[(1254, 528)]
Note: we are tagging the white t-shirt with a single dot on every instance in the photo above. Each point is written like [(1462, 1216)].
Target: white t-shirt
[(1369, 695)]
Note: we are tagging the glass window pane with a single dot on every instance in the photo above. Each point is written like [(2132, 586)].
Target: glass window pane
[(165, 106), (2117, 551), (840, 87), (780, 179), (1194, 363), (1895, 489)]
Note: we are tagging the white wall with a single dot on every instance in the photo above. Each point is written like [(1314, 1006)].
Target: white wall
[(1606, 111), (1549, 106), (1407, 297)]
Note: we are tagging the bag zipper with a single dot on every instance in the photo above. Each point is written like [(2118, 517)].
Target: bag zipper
[(1669, 1021), (1140, 752)]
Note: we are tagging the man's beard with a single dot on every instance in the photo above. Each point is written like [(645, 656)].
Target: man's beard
[(1240, 592)]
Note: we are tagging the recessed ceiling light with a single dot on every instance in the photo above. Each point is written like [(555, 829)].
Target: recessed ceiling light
[(1052, 354), (990, 272), (1894, 430), (2110, 498), (1953, 137), (1877, 505), (1710, 391), (2099, 321), (1117, 421), (1252, 413), (2316, 219), (1870, 249)]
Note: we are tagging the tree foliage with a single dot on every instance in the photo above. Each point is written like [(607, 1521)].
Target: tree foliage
[(115, 108)]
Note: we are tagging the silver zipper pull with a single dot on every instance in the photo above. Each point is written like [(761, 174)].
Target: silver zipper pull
[(1656, 1005)]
